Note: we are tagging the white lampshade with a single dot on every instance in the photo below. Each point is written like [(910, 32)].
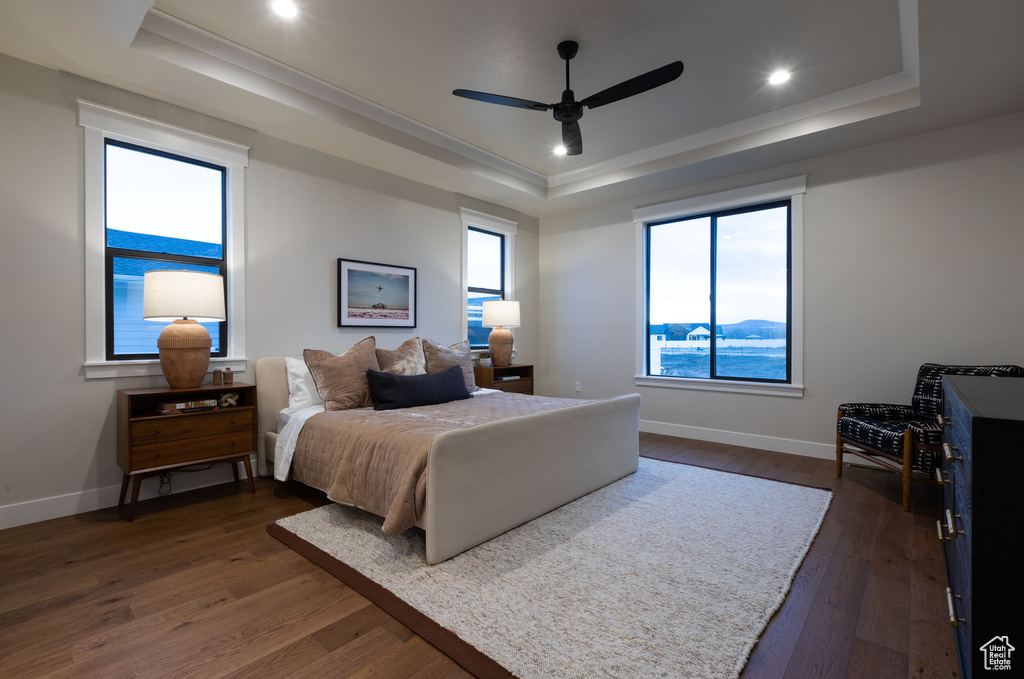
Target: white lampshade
[(501, 314), (169, 295)]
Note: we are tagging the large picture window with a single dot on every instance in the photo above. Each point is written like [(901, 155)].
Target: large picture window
[(718, 302), (721, 298)]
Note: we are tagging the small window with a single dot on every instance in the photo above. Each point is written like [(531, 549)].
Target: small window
[(488, 268), (162, 212), (485, 254)]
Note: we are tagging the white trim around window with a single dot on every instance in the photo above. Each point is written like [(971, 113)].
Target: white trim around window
[(793, 189), (101, 123), (486, 222)]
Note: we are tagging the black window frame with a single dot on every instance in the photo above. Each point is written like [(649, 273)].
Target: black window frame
[(713, 216), (110, 253), (488, 291)]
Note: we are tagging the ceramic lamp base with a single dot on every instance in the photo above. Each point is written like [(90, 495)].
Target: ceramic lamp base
[(184, 353), (499, 343)]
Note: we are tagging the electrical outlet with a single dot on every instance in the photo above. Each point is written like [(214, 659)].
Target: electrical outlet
[(577, 386)]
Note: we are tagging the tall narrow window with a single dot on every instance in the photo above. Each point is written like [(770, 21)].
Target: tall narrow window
[(485, 254), (162, 212), (157, 196)]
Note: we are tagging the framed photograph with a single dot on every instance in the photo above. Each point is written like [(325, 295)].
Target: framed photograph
[(376, 295)]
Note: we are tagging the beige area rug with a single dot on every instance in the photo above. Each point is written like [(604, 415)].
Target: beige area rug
[(672, 572)]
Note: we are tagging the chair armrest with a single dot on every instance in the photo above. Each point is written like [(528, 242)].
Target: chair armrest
[(884, 412)]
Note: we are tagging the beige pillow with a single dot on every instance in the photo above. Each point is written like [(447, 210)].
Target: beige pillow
[(440, 358), (341, 380), (407, 359)]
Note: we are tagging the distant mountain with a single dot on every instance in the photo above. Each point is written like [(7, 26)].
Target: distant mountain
[(753, 329), (749, 329)]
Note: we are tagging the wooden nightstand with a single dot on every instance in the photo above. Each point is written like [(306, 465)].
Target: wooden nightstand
[(512, 378), (149, 443)]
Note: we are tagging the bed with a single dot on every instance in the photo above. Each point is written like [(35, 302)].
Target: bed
[(480, 481)]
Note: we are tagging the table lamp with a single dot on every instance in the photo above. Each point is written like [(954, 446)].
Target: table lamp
[(500, 315), (186, 298)]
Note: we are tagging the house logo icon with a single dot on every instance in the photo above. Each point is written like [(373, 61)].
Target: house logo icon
[(997, 652)]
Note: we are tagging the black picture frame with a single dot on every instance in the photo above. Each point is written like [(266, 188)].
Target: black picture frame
[(373, 295)]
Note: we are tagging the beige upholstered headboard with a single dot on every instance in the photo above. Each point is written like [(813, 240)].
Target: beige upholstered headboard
[(272, 390)]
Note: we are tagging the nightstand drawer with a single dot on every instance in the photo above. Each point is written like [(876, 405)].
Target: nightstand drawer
[(168, 428), (515, 386), (191, 450)]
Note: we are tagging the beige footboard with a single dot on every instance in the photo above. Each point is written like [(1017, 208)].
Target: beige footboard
[(485, 480), (488, 479)]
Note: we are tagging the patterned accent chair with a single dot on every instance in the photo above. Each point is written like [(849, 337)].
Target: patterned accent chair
[(889, 434)]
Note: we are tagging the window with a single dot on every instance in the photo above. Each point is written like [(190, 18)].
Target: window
[(157, 197), (162, 212), (488, 266), (721, 298)]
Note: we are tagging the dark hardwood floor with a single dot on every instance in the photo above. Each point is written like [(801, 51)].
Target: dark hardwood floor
[(195, 587)]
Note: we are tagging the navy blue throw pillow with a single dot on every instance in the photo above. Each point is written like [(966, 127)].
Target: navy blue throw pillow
[(405, 391)]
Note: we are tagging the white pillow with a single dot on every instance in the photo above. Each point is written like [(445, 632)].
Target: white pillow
[(302, 391)]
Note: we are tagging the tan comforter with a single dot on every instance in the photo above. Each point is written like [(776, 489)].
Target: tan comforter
[(376, 460)]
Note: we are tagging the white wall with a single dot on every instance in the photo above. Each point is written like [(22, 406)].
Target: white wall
[(913, 252), (304, 209)]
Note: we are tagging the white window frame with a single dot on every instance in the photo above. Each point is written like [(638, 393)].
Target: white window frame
[(792, 189), (101, 123), (502, 227)]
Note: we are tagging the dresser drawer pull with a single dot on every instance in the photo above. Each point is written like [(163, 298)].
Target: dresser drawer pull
[(938, 477), (953, 532), (953, 620), (938, 527), (949, 453), (943, 421)]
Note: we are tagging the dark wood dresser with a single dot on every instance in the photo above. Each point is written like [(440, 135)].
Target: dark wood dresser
[(983, 502)]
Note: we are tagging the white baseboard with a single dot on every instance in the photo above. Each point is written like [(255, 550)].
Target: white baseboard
[(43, 509), (824, 451)]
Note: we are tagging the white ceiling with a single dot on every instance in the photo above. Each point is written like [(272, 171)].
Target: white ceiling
[(371, 80)]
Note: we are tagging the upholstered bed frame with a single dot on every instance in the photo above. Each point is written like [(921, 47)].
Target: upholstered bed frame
[(488, 479)]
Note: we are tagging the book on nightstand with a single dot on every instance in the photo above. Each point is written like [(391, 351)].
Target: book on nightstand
[(172, 407)]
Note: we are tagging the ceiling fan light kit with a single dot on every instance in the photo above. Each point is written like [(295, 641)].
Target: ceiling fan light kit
[(568, 111)]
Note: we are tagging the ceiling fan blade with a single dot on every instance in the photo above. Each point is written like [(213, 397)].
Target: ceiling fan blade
[(572, 139), (641, 83), (502, 100)]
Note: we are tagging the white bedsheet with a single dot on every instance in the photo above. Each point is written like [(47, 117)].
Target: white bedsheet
[(289, 424), (288, 435)]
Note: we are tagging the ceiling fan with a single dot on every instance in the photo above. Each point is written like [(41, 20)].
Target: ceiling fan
[(568, 111)]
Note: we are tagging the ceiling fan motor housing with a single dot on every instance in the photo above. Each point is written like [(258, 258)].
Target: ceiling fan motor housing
[(568, 110)]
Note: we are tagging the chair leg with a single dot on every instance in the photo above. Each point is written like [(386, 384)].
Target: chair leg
[(839, 448), (908, 466)]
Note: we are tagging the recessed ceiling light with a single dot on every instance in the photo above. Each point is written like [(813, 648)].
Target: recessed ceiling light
[(285, 8), (779, 77), (560, 151)]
